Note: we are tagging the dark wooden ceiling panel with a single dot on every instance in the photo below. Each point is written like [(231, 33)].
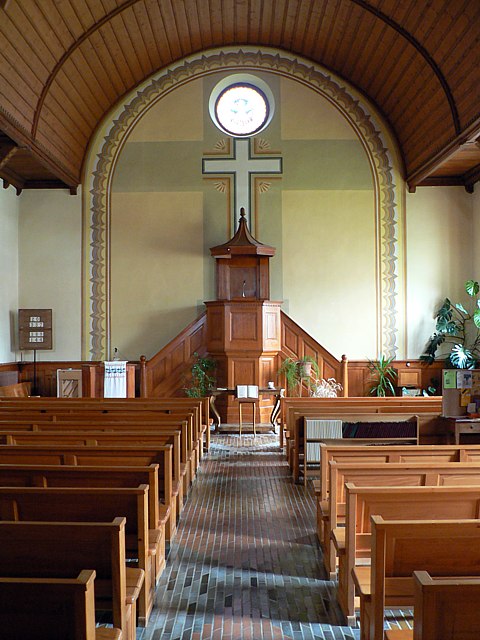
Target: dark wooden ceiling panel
[(63, 65)]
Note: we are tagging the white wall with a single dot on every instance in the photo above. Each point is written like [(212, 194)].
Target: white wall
[(440, 256), (9, 212), (50, 243)]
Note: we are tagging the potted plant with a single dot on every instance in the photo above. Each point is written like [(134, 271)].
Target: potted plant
[(383, 376), (202, 378), (321, 388), (459, 329), (297, 369)]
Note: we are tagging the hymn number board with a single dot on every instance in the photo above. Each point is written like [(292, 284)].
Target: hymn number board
[(35, 328)]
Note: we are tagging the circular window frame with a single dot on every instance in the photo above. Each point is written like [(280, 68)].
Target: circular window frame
[(241, 79)]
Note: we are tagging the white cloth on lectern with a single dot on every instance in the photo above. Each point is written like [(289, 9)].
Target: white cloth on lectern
[(115, 381)]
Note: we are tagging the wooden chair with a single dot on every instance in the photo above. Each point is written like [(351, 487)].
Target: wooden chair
[(247, 394)]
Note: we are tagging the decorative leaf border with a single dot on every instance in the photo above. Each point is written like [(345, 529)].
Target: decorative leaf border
[(108, 143)]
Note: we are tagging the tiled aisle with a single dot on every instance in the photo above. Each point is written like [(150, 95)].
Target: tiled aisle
[(245, 561)]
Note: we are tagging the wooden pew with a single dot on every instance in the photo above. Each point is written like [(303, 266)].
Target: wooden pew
[(386, 454), (318, 407), (52, 406), (130, 422), (16, 390), (62, 550), (68, 504), (91, 477), (103, 456), (443, 548), (331, 513), (51, 609), (391, 503), (91, 437), (298, 449), (445, 608)]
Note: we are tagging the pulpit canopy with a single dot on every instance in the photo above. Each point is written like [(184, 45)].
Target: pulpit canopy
[(243, 266)]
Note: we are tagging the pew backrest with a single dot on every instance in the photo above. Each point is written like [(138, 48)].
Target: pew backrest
[(400, 547), (388, 454), (446, 608), (48, 608), (62, 550)]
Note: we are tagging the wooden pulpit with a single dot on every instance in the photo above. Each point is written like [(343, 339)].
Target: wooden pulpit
[(243, 324)]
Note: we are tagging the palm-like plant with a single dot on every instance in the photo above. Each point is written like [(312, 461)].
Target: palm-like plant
[(459, 327), (383, 376), (202, 378)]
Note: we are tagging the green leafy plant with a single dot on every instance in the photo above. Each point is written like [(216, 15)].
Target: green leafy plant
[(383, 376), (202, 378), (294, 371), (457, 328)]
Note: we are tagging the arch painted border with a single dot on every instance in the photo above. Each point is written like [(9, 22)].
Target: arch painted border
[(111, 136)]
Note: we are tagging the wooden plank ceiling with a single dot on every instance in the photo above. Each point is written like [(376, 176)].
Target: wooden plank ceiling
[(63, 64)]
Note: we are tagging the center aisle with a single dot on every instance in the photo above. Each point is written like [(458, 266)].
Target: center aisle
[(245, 563)]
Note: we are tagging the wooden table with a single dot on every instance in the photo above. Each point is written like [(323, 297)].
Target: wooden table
[(462, 425), (278, 393)]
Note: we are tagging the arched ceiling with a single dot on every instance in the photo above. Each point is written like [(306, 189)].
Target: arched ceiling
[(65, 63)]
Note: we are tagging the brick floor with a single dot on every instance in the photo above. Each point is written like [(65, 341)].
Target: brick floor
[(245, 563)]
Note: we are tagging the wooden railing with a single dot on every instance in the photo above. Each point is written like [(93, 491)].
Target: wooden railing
[(164, 374), (296, 343)]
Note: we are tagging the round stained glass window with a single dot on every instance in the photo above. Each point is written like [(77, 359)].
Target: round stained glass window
[(242, 109), (241, 105)]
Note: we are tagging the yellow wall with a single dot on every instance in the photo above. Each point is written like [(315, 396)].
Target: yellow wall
[(157, 268), (329, 268), (162, 208), (440, 256), (50, 233), (9, 212)]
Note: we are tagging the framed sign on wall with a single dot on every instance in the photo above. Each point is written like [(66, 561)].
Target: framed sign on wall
[(34, 329)]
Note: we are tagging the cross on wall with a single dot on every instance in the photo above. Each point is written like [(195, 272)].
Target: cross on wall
[(242, 166)]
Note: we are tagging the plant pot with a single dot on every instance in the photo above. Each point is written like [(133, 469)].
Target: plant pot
[(304, 369)]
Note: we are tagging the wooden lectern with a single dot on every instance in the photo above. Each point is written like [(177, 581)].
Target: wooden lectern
[(243, 324)]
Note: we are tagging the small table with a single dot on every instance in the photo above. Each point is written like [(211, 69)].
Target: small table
[(460, 425), (277, 393)]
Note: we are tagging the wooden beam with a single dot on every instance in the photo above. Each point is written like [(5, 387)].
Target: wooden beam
[(7, 152), (45, 184), (468, 135), (24, 139), (4, 4), (12, 179)]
